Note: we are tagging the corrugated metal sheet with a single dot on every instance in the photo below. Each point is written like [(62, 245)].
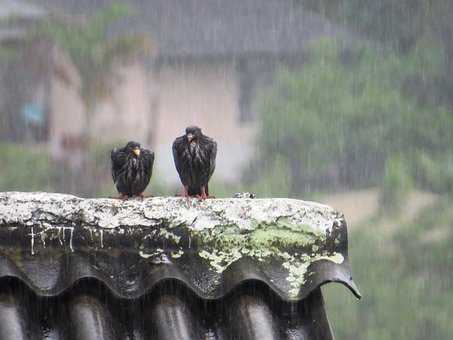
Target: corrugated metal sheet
[(59, 280), (171, 311), (129, 276)]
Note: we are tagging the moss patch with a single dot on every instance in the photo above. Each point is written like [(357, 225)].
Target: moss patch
[(296, 247)]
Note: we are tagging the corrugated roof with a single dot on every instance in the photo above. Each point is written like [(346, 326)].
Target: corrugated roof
[(107, 269), (199, 28), (89, 311)]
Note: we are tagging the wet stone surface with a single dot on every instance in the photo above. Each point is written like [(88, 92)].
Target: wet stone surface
[(210, 245)]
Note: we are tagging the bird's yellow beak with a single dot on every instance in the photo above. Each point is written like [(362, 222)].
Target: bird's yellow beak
[(136, 151), (189, 137)]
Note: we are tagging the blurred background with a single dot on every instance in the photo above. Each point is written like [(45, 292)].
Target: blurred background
[(346, 102)]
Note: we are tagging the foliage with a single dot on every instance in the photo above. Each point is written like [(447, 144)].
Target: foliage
[(404, 278), (274, 179), (396, 185), (94, 53), (433, 174), (402, 25), (24, 169), (221, 189), (337, 121), (395, 22)]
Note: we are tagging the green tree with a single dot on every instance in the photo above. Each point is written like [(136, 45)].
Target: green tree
[(25, 168), (407, 291), (396, 185), (402, 25), (336, 121)]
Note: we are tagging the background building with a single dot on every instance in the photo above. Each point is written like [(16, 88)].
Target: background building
[(209, 60)]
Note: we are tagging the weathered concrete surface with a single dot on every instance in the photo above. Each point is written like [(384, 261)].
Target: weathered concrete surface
[(217, 232)]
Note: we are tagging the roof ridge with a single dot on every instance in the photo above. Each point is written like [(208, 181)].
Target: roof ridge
[(293, 246)]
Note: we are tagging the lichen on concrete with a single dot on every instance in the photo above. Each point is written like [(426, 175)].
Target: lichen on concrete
[(219, 231), (297, 267)]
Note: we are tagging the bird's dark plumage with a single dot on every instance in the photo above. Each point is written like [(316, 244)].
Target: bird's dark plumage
[(194, 155), (132, 167)]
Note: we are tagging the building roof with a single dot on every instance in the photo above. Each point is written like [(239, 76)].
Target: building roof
[(165, 267), (20, 9), (203, 28), (15, 15)]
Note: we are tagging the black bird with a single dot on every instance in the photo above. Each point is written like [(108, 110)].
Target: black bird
[(194, 155), (132, 168)]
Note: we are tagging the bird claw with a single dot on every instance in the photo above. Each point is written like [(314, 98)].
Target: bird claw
[(204, 195), (185, 192)]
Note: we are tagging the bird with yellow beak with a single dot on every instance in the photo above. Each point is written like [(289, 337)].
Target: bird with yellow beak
[(132, 167)]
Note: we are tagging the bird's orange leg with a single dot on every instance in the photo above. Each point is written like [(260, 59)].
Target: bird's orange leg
[(123, 197), (185, 191), (203, 193)]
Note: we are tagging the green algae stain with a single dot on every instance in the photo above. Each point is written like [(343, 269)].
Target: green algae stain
[(280, 238), (296, 246), (298, 268), (224, 245), (285, 223), (220, 260)]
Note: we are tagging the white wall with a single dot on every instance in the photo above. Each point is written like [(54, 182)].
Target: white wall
[(203, 94)]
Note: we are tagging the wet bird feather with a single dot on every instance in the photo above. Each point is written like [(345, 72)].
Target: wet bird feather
[(131, 173), (195, 161)]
